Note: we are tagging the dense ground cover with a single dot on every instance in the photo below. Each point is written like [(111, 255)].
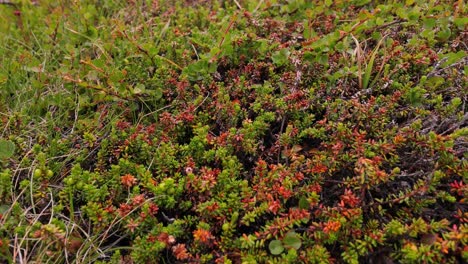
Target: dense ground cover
[(233, 131)]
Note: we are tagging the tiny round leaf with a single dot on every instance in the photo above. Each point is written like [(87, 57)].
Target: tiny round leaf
[(276, 247), (7, 148), (292, 240)]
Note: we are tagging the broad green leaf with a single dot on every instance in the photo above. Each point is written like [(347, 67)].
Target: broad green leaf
[(92, 32), (156, 93), (453, 57), (116, 76), (292, 240), (280, 57), (139, 89), (444, 34), (7, 148), (308, 56), (276, 247), (461, 22), (434, 81), (379, 21), (322, 59), (414, 15), (429, 23), (4, 208), (428, 34), (100, 63)]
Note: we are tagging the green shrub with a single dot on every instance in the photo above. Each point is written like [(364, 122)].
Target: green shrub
[(233, 132)]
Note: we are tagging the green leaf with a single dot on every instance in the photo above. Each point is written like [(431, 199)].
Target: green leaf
[(303, 203), (453, 57), (292, 240), (280, 57), (308, 56), (461, 22), (429, 23), (361, 2), (139, 89), (415, 96), (92, 32), (4, 208), (7, 148), (434, 81), (444, 34), (428, 34), (379, 21), (414, 15), (370, 65), (199, 69), (156, 93), (116, 76), (100, 63), (276, 247), (322, 59)]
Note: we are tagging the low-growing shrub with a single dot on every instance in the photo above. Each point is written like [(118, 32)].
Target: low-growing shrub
[(233, 131)]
